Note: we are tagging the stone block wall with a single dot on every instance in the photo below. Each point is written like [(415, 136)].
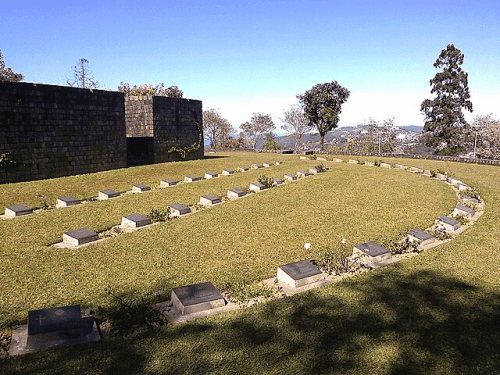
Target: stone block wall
[(51, 131), (178, 129), (139, 116)]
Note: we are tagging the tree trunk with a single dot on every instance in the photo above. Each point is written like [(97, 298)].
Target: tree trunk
[(322, 143)]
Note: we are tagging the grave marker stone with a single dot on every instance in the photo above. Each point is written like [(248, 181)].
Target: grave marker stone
[(236, 193), (277, 181), (369, 163), (303, 157), (257, 166), (135, 221), (197, 297), (243, 169), (313, 171), (385, 165), (167, 183), (210, 175), (209, 200), (79, 237), (140, 188), (59, 326), (419, 235), (373, 251), (447, 224), (321, 159), (441, 176), (298, 274), (415, 170), (191, 178), (462, 210), (17, 210), (426, 173), (353, 161), (256, 186), (66, 202), (463, 188), (455, 181), (107, 194), (277, 162), (336, 160), (267, 165), (302, 173), (290, 177), (227, 172), (178, 209)]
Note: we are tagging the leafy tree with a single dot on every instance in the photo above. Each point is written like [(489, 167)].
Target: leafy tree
[(296, 123), (216, 129), (444, 121), (145, 89), (82, 76), (380, 136), (7, 74), (270, 142), (322, 105), (486, 137), (255, 129)]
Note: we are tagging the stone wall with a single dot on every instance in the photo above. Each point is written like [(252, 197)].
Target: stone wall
[(175, 126), (51, 131)]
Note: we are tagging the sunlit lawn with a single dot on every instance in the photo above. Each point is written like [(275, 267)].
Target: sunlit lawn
[(430, 314)]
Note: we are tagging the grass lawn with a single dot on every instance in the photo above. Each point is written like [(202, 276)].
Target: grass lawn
[(432, 313)]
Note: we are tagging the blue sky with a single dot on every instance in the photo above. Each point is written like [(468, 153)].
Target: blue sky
[(256, 56)]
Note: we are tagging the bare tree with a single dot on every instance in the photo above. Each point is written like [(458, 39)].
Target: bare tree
[(255, 129), (486, 137), (82, 76), (145, 89), (296, 123), (216, 129)]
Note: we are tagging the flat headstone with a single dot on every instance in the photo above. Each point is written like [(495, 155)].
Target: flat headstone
[(179, 209), (337, 160), (419, 235), (167, 183), (277, 181), (236, 193), (303, 157), (257, 166), (290, 177), (399, 166), (298, 274), (460, 209), (209, 200), (135, 221), (415, 170), (302, 173), (243, 169), (369, 163), (139, 188), (267, 165), (373, 250), (191, 178), (17, 210), (463, 187), (277, 162), (321, 158), (67, 201), (353, 161), (448, 224), (441, 176), (455, 181), (107, 194), (227, 172), (471, 199), (54, 327), (313, 171), (385, 165), (256, 186), (197, 297), (426, 172), (79, 237), (210, 175)]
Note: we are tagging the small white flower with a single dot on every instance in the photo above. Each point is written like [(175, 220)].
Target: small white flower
[(307, 246), (344, 241)]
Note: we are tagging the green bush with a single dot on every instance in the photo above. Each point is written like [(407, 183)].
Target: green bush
[(320, 168), (266, 181), (159, 214)]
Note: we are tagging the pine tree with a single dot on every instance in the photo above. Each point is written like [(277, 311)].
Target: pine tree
[(444, 120)]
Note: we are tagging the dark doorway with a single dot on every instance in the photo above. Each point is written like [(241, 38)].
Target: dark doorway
[(140, 151)]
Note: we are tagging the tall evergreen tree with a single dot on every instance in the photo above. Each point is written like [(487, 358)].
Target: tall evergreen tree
[(444, 120)]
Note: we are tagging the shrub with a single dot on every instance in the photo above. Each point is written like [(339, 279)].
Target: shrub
[(334, 262), (241, 291), (377, 163), (43, 201), (266, 181), (404, 246), (441, 235), (361, 162), (462, 219), (320, 168), (313, 157), (159, 214)]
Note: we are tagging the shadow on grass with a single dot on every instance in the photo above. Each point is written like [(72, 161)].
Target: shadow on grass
[(389, 323), (212, 156)]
